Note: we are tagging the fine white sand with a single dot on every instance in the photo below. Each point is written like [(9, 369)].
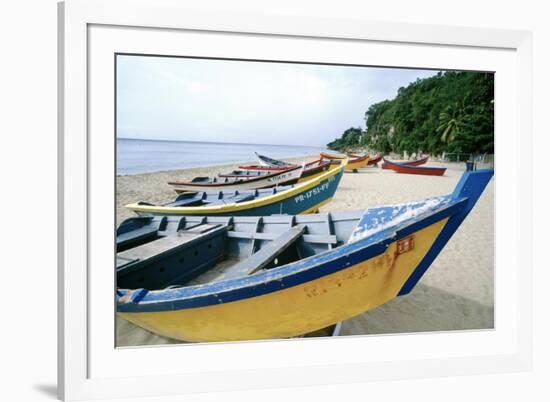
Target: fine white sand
[(457, 291)]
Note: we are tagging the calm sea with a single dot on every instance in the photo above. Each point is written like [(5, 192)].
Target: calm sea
[(144, 156)]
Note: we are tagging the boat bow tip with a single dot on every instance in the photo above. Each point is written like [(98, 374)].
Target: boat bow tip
[(471, 185)]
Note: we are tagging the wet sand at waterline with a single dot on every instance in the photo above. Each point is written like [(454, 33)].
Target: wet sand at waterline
[(456, 293)]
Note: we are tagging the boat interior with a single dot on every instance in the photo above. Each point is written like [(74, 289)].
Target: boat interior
[(169, 252)]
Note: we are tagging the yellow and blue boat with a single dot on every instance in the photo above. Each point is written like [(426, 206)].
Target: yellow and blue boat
[(242, 278), (301, 198)]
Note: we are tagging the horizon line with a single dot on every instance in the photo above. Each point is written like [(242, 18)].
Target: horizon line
[(215, 142)]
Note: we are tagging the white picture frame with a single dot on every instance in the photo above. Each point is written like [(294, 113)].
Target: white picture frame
[(85, 354)]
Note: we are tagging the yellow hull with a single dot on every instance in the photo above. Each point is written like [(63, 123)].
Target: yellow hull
[(357, 165), (352, 165), (300, 309)]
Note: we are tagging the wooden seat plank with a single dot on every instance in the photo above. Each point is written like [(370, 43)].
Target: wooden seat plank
[(165, 244), (266, 254), (309, 238)]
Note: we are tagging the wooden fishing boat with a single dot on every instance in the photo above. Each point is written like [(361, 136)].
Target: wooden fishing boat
[(416, 162), (267, 164), (301, 198), (353, 164), (373, 161), (267, 161), (204, 278), (311, 170), (280, 178), (410, 169)]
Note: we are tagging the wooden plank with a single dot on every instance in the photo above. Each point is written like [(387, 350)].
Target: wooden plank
[(329, 231), (256, 230), (137, 234), (267, 253), (308, 238), (253, 235), (201, 228), (322, 239), (122, 261), (168, 243)]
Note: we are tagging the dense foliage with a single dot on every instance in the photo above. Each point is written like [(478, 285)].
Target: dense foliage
[(350, 139), (450, 112)]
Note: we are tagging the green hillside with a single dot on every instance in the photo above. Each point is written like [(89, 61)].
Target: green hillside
[(450, 112)]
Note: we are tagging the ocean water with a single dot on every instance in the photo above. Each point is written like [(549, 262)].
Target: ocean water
[(145, 156)]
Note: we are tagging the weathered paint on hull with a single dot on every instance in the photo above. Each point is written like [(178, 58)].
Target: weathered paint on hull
[(298, 309)]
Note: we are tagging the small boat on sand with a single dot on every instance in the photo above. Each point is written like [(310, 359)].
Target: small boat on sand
[(354, 163), (280, 178), (311, 170), (411, 169), (270, 162), (301, 198), (416, 162), (229, 278), (373, 161)]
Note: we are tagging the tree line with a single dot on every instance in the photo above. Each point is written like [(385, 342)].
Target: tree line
[(451, 112)]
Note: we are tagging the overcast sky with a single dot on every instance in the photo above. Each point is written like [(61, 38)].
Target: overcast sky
[(248, 102)]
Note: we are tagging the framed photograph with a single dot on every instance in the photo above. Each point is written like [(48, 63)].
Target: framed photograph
[(255, 201)]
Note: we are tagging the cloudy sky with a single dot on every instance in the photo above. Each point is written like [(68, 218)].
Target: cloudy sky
[(247, 102)]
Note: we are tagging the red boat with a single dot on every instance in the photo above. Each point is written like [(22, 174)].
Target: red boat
[(410, 169), (417, 162), (375, 159)]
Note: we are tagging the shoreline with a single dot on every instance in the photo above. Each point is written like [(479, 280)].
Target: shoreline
[(456, 293), (230, 165)]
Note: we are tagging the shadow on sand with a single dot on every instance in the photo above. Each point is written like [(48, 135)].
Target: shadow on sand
[(425, 309)]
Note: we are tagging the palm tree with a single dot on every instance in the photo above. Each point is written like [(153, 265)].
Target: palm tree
[(450, 123)]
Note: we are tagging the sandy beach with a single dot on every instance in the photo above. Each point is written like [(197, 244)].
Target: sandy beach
[(455, 294)]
